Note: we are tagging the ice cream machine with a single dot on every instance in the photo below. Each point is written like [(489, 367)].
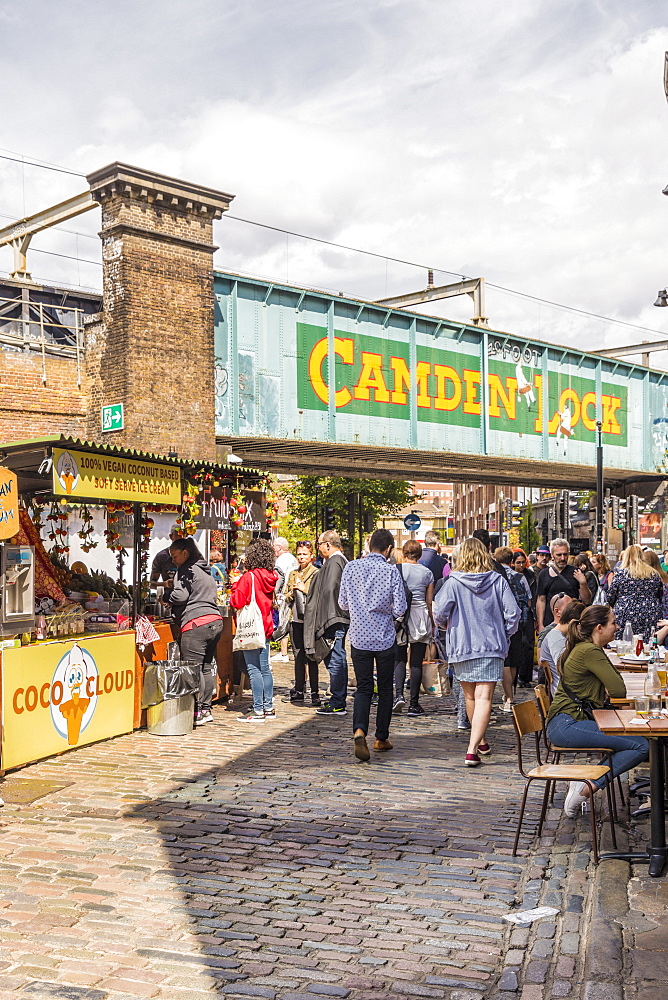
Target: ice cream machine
[(17, 589)]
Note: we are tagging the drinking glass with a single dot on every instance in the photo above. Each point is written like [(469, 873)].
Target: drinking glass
[(642, 705)]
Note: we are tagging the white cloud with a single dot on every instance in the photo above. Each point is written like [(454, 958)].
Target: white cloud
[(524, 142)]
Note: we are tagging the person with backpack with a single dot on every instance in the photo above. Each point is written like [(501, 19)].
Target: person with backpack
[(416, 627), (519, 661)]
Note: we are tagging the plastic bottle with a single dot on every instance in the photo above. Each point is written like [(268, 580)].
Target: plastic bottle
[(40, 627), (627, 640)]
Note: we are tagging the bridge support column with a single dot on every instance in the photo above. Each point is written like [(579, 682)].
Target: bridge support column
[(152, 347)]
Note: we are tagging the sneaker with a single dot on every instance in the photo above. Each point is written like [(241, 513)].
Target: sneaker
[(484, 749), (270, 714), (464, 729), (315, 701), (399, 703), (328, 709), (574, 799), (507, 705), (2, 802), (361, 749), (471, 760), (374, 699), (202, 718), (414, 710), (294, 699), (250, 717)]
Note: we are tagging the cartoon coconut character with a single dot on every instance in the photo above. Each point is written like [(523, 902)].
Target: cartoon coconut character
[(524, 387), (75, 708)]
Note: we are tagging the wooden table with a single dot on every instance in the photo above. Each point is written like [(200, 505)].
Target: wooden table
[(656, 730)]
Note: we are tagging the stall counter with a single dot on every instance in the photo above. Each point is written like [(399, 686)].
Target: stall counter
[(66, 693)]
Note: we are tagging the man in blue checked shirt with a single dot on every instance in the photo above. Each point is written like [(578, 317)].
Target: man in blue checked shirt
[(372, 591)]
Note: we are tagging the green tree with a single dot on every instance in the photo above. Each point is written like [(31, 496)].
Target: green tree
[(380, 498), (529, 536)]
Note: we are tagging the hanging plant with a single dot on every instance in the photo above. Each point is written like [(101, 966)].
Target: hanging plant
[(85, 533), (36, 510), (111, 533), (57, 533)]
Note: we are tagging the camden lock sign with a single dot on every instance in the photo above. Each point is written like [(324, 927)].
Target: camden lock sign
[(373, 378), (216, 513)]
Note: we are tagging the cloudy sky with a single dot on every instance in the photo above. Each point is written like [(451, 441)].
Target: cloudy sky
[(524, 142)]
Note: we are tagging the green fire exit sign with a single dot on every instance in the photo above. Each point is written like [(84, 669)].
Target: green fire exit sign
[(112, 417)]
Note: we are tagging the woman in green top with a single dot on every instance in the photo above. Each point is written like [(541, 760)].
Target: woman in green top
[(587, 673)]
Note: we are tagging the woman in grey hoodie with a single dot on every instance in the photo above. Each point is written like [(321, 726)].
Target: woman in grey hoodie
[(478, 608)]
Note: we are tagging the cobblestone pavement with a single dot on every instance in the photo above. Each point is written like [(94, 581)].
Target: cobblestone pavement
[(265, 861)]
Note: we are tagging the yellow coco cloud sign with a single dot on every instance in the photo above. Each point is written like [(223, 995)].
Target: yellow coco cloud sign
[(106, 477), (60, 695)]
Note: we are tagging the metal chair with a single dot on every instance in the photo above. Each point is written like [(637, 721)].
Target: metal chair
[(528, 722), (556, 752)]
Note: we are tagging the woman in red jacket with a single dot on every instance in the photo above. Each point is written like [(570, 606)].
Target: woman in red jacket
[(259, 563)]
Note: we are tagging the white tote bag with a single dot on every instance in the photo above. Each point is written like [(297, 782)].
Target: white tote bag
[(250, 628)]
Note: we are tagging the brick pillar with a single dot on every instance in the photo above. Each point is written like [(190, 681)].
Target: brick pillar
[(152, 347)]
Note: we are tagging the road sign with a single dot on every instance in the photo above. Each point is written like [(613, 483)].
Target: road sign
[(412, 522), (112, 417)]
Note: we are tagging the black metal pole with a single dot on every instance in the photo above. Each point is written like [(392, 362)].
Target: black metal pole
[(136, 563), (360, 524), (599, 486), (317, 529)]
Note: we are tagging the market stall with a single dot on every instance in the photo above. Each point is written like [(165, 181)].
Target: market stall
[(75, 634)]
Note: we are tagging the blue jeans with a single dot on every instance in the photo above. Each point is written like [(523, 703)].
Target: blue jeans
[(336, 662), (629, 751), (261, 679)]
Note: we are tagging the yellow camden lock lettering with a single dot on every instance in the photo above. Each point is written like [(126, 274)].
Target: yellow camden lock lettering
[(450, 390)]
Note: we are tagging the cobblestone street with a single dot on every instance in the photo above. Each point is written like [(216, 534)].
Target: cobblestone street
[(265, 861)]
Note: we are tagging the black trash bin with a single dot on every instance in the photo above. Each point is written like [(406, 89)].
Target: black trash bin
[(168, 694)]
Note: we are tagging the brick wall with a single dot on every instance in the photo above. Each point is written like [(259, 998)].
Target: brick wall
[(31, 408)]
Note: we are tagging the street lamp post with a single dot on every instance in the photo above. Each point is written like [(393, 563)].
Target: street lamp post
[(599, 486)]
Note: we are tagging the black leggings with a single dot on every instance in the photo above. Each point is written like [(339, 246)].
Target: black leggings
[(198, 645), (416, 659), (301, 661)]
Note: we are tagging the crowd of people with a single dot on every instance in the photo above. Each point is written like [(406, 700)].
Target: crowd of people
[(501, 617)]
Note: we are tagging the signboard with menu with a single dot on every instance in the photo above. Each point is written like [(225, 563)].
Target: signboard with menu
[(216, 514)]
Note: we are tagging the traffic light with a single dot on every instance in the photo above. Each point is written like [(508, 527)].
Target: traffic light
[(622, 519), (329, 518), (564, 517), (517, 514), (573, 507), (368, 521), (508, 513), (614, 512), (634, 518)]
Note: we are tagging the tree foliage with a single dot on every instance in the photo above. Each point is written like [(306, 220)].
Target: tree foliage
[(530, 538), (379, 498)]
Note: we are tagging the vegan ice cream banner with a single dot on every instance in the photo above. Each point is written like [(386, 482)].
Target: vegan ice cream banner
[(295, 364), (59, 695)]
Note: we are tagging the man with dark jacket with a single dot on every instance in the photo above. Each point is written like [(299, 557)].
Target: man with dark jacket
[(326, 623), (430, 557)]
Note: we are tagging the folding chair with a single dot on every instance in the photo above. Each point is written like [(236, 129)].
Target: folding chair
[(528, 722), (551, 749)]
